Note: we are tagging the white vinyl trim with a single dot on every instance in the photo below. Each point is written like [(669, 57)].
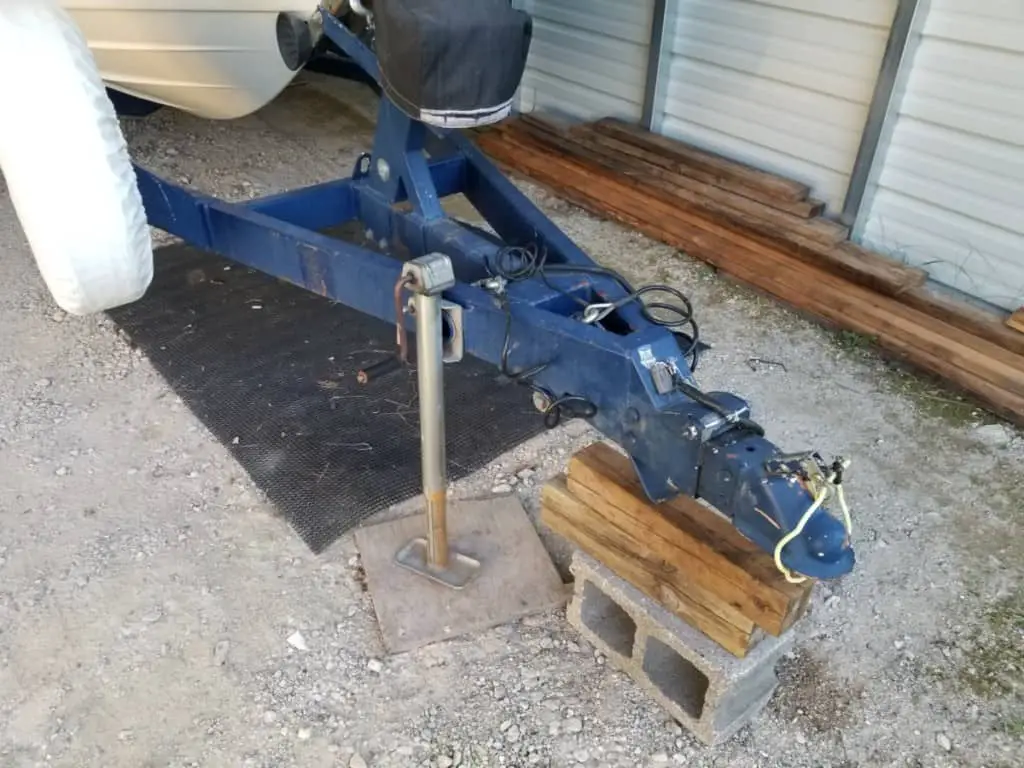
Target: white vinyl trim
[(588, 58), (782, 84), (949, 190)]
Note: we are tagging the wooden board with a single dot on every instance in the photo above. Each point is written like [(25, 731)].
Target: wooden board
[(622, 194), (728, 206), (1016, 320), (518, 577), (804, 209), (682, 554), (716, 555), (654, 159), (776, 186), (573, 519)]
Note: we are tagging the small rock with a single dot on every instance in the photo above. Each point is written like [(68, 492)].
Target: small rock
[(581, 755), (220, 652), (357, 761), (573, 725), (445, 762), (512, 734), (659, 757), (944, 742), (153, 615), (270, 717), (525, 474), (297, 641), (505, 726), (62, 471), (546, 642), (375, 665), (832, 602), (993, 435), (304, 734), (800, 738), (899, 645), (501, 488)]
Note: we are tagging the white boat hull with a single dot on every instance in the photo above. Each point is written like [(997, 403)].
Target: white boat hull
[(218, 59)]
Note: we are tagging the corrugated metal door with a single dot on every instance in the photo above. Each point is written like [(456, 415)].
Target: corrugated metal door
[(588, 58), (782, 84), (950, 194)]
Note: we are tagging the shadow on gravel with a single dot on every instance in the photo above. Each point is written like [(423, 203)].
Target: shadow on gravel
[(271, 370)]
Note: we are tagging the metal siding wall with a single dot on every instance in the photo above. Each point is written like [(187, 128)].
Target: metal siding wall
[(950, 189), (588, 58), (782, 84)]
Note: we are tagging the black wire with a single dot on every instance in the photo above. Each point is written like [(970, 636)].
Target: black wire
[(556, 406), (517, 263)]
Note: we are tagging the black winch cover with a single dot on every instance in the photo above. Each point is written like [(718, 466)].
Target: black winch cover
[(453, 63)]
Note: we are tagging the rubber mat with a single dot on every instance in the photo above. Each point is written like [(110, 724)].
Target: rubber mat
[(271, 370)]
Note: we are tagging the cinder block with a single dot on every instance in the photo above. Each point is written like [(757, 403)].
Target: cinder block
[(709, 691)]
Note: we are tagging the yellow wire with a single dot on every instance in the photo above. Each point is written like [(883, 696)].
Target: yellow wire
[(819, 499)]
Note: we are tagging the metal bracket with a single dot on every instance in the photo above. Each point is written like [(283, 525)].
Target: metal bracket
[(453, 333)]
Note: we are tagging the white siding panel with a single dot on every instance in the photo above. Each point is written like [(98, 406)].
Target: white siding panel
[(782, 84), (949, 193), (588, 58)]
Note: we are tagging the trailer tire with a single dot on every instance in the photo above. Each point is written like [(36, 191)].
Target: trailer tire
[(66, 163)]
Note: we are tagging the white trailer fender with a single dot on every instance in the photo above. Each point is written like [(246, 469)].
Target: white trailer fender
[(66, 163)]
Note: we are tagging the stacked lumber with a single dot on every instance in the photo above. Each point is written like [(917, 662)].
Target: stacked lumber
[(767, 232), (681, 554)]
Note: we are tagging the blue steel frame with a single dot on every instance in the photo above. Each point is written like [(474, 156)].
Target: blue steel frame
[(666, 434)]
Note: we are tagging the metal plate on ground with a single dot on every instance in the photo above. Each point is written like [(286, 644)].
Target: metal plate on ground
[(517, 577), (271, 368)]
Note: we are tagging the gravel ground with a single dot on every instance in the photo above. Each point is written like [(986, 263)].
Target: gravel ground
[(154, 611)]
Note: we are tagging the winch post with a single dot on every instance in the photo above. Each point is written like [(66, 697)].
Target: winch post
[(431, 556)]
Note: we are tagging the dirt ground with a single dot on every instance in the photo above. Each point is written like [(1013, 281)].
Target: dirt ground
[(148, 592)]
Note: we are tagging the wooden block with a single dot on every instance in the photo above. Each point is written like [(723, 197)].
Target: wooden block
[(690, 536), (682, 554), (567, 515)]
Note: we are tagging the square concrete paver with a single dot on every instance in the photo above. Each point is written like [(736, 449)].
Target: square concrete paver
[(517, 577)]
